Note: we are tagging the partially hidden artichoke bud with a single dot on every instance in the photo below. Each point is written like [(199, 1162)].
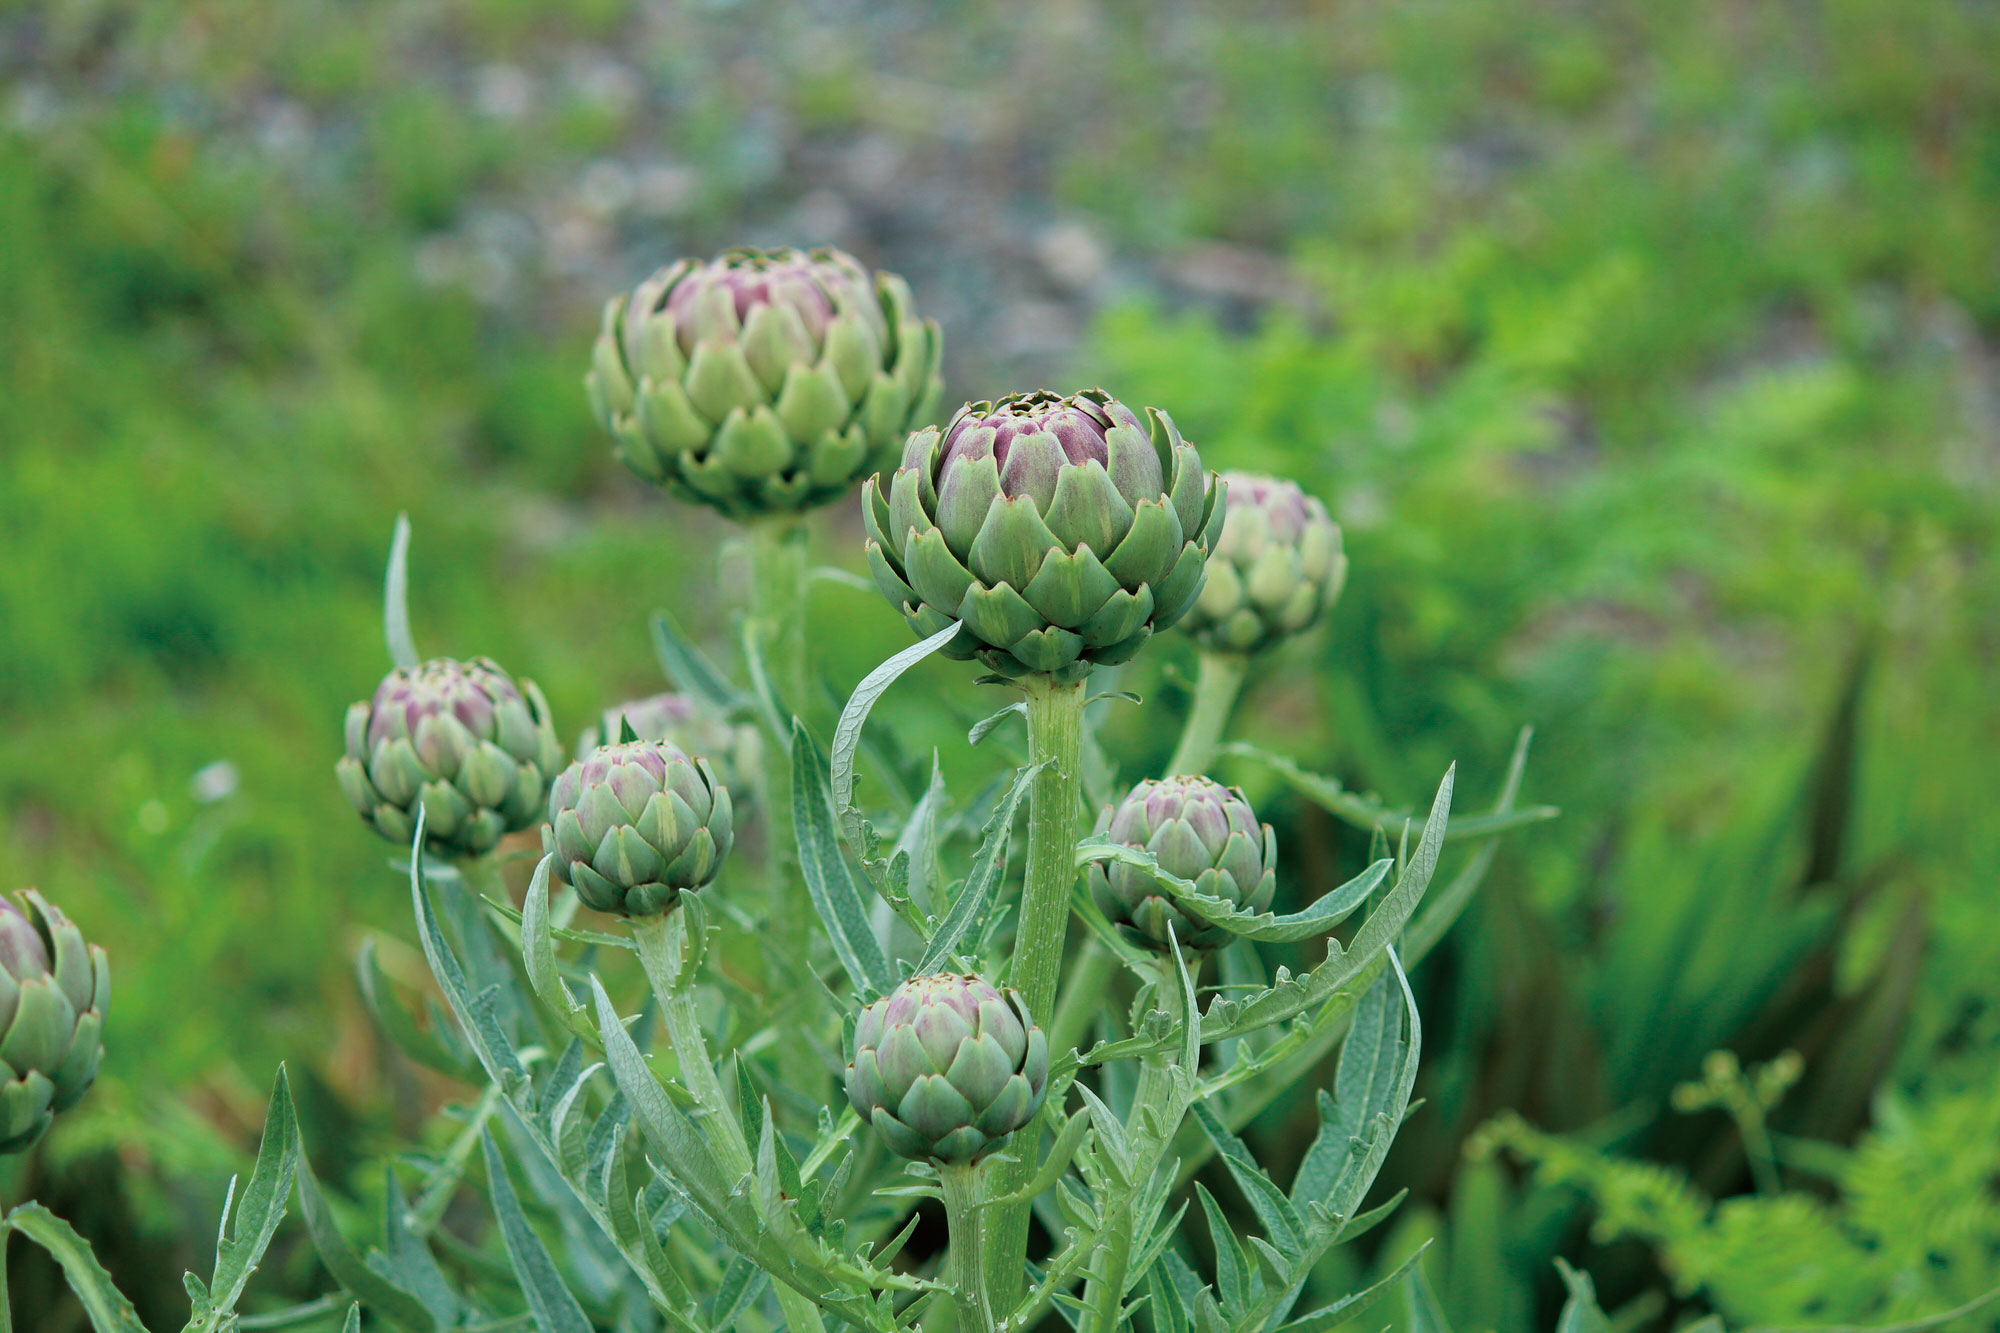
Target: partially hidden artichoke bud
[(763, 381), (735, 751), (633, 825), (1195, 828), (462, 741), (1276, 568), (1061, 532), (946, 1067), (53, 989)]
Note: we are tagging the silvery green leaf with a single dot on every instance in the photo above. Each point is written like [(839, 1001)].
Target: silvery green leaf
[(107, 1307), (396, 598), (690, 670), (847, 732), (1281, 1222), (1323, 914), (1354, 1304), (242, 1240), (989, 864), (1426, 1316), (1368, 813), (1232, 1283), (828, 881), (554, 1308)]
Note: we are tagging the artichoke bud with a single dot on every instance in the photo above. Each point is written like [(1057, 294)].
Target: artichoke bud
[(53, 989), (946, 1067), (763, 381), (1060, 532), (1276, 568), (462, 741), (632, 825), (1195, 828), (735, 752)]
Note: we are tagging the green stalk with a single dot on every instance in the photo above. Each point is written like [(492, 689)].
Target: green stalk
[(664, 949), (962, 1194), (1055, 734), (1218, 681)]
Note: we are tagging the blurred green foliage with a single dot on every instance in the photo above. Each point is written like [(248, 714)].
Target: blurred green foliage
[(1646, 352)]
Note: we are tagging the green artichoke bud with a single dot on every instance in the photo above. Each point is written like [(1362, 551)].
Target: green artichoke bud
[(946, 1067), (736, 752), (1195, 828), (461, 740), (765, 381), (53, 989), (632, 825), (1276, 568), (1061, 532)]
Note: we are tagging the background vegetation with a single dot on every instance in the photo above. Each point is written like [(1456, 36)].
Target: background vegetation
[(1647, 353)]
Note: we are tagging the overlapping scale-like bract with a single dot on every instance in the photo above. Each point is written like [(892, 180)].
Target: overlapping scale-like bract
[(763, 381), (633, 825), (1195, 828), (946, 1067), (460, 740), (1276, 568), (53, 990), (1061, 532), (733, 749)]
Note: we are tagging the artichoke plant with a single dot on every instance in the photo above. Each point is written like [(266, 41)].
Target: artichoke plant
[(53, 989), (946, 1067), (1060, 532), (632, 825), (763, 381), (734, 751), (1276, 568), (1195, 828), (461, 740)]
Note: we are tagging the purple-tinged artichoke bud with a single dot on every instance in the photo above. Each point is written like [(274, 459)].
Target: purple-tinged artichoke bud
[(736, 752), (460, 740), (1195, 828), (633, 825), (946, 1067), (763, 381), (1275, 570), (53, 990), (1061, 532)]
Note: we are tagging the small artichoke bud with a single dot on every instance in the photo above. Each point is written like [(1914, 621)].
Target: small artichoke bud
[(1061, 532), (735, 752), (53, 989), (763, 381), (460, 740), (1275, 570), (1195, 828), (633, 825), (946, 1067)]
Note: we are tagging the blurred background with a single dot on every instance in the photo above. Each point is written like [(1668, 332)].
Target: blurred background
[(1649, 355)]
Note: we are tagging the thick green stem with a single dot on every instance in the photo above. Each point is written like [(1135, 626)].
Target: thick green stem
[(1055, 734), (664, 944), (963, 1190), (1217, 682)]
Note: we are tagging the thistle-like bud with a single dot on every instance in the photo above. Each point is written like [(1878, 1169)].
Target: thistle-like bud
[(1061, 532), (461, 740), (1195, 828), (946, 1067), (735, 751), (763, 381), (1275, 570), (633, 825), (53, 990)]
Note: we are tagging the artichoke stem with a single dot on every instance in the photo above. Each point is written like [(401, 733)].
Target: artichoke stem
[(1218, 682), (1055, 734), (778, 589), (663, 943), (963, 1185)]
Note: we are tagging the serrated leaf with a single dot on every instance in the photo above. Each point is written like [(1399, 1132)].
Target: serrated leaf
[(554, 1308), (1365, 812), (355, 1277), (262, 1204), (828, 881), (985, 725), (847, 732), (1355, 1303), (1324, 913), (989, 864), (107, 1307), (1281, 1222)]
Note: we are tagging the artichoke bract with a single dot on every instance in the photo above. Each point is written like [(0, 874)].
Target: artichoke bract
[(763, 381), (1276, 568), (1195, 828), (462, 741), (946, 1067), (53, 989), (1060, 532), (632, 826), (735, 751)]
